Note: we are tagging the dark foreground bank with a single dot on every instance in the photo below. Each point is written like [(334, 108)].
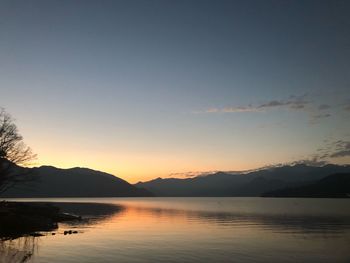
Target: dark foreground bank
[(19, 219)]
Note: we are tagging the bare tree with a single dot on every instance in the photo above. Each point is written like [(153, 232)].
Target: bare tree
[(13, 153)]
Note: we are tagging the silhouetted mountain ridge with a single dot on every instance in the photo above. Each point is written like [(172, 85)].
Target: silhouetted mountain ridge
[(336, 185), (251, 183), (74, 182)]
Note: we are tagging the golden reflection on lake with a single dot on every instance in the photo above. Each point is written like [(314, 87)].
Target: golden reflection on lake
[(201, 230)]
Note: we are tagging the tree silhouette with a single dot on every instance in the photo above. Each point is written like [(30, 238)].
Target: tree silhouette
[(13, 153)]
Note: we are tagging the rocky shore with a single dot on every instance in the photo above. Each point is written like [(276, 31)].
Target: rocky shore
[(22, 218)]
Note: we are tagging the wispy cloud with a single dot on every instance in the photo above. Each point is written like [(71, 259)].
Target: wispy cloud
[(342, 149), (293, 102), (248, 108), (321, 116), (335, 149), (206, 173), (191, 174), (323, 156), (314, 161), (324, 107)]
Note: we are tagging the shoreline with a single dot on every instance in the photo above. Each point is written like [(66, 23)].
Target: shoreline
[(29, 218)]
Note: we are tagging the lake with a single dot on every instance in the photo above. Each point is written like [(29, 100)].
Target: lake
[(192, 230)]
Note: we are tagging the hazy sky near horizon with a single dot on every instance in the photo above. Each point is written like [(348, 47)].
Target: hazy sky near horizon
[(143, 89)]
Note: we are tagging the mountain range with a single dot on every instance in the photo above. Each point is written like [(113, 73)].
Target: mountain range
[(254, 183), (275, 181)]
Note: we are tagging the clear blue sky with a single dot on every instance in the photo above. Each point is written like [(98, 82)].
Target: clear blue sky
[(143, 89)]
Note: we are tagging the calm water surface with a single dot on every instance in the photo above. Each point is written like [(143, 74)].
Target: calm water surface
[(193, 230)]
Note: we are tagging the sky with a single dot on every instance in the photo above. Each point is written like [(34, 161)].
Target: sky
[(146, 89)]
